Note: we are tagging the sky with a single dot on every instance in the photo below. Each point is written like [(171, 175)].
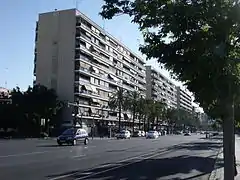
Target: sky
[(17, 33)]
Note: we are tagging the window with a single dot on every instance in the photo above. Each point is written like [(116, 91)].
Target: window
[(101, 83)]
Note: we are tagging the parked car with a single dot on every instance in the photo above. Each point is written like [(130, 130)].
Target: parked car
[(143, 133), (73, 136), (187, 134), (137, 134), (124, 134), (152, 135)]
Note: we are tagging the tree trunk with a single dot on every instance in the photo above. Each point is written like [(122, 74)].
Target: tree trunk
[(229, 142), (139, 121), (119, 119), (157, 124), (148, 124), (133, 119), (144, 123)]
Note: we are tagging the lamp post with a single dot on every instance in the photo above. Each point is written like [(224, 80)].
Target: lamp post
[(110, 125)]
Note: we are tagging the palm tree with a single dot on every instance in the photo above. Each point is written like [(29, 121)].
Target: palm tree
[(132, 98), (117, 102)]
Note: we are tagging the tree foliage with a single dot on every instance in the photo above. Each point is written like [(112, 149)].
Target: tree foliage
[(197, 40), (28, 108)]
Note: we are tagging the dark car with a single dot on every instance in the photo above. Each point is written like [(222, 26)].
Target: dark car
[(72, 136), (187, 134)]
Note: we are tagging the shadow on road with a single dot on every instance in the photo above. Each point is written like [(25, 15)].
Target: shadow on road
[(198, 146), (167, 168), (174, 168)]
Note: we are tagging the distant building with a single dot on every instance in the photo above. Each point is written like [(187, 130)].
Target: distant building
[(160, 88), (184, 100)]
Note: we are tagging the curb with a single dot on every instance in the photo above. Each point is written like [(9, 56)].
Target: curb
[(217, 173)]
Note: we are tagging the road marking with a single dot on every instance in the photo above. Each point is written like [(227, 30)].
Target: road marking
[(79, 156), (118, 162), (25, 154)]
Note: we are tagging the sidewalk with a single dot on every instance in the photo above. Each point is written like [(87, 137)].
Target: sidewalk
[(218, 172)]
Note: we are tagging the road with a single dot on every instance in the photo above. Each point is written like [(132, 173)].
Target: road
[(169, 157)]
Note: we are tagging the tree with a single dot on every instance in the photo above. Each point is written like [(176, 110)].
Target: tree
[(131, 103), (198, 41), (141, 111), (159, 109), (117, 102)]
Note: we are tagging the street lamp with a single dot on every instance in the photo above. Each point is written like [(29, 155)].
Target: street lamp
[(110, 125)]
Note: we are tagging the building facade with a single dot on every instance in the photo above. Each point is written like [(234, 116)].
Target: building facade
[(85, 65), (160, 88), (184, 100)]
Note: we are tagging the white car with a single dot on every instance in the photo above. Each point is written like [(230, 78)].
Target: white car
[(124, 134), (143, 133), (152, 135)]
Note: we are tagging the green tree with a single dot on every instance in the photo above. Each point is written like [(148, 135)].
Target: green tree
[(159, 111), (131, 103), (117, 102), (141, 112), (198, 41)]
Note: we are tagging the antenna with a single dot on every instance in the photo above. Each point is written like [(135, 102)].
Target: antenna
[(76, 4)]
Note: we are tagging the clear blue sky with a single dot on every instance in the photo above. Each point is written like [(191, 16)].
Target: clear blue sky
[(17, 33)]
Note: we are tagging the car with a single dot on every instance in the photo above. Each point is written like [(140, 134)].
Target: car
[(124, 134), (137, 134), (73, 136), (187, 134), (152, 135), (143, 133)]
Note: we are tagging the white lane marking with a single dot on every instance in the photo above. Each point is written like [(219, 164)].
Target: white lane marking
[(25, 154), (113, 168), (79, 156), (124, 160)]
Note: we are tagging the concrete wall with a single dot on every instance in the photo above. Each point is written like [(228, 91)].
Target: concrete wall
[(56, 52), (148, 82)]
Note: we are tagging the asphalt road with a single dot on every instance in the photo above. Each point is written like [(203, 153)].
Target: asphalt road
[(169, 157)]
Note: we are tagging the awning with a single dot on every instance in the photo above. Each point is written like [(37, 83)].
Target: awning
[(95, 100), (112, 77), (132, 71), (93, 89), (92, 111), (127, 116), (87, 87), (95, 69), (122, 115)]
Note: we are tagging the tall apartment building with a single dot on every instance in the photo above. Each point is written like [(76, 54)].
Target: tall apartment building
[(160, 88), (184, 100), (84, 64)]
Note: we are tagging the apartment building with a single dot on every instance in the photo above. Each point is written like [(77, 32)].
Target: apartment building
[(160, 88), (184, 100), (85, 64)]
